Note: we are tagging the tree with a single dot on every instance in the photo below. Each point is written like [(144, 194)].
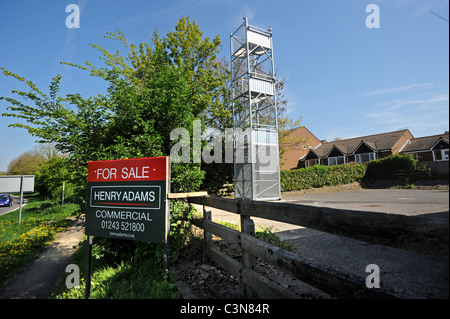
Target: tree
[(51, 175), (152, 90), (29, 162), (26, 164), (286, 124), (48, 151), (286, 140)]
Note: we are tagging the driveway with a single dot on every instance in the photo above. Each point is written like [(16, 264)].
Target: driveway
[(434, 203), (392, 201), (413, 275)]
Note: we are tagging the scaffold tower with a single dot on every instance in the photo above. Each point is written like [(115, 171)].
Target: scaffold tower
[(256, 160)]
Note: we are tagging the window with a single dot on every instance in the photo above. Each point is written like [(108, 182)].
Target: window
[(440, 155), (311, 162), (365, 157), (336, 160)]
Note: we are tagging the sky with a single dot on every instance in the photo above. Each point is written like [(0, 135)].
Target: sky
[(343, 78)]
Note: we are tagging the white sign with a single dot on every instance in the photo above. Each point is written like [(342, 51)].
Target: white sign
[(11, 183)]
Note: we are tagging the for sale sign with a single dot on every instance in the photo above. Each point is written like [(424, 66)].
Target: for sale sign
[(127, 199)]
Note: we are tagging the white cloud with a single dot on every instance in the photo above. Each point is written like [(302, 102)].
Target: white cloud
[(428, 115), (419, 7), (243, 12), (424, 104), (398, 90), (173, 11), (249, 13)]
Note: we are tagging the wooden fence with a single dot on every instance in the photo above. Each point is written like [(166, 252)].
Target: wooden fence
[(413, 174), (407, 232)]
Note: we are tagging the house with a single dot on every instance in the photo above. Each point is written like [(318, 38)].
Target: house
[(295, 144), (359, 149), (432, 151), (428, 148)]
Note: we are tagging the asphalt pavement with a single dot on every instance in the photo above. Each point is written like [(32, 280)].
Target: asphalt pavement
[(433, 203), (393, 201), (412, 274)]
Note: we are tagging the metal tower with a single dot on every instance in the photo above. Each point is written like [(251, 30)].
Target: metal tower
[(256, 160)]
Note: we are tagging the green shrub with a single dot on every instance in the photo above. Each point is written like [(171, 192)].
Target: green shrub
[(69, 193), (320, 176), (385, 168)]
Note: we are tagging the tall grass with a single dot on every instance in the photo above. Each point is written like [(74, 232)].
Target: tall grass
[(131, 278)]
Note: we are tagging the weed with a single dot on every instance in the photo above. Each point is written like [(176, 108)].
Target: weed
[(268, 236)]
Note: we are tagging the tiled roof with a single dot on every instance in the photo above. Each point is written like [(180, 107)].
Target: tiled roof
[(424, 143), (383, 141), (371, 145)]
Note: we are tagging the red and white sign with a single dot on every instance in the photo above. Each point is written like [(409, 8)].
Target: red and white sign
[(129, 170), (127, 199)]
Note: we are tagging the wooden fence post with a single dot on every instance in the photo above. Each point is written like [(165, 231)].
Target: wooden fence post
[(207, 216), (248, 260)]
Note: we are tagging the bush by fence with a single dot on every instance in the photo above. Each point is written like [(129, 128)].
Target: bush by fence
[(320, 176), (386, 168)]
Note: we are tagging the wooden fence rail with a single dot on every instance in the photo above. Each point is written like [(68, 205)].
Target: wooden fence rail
[(413, 173), (394, 230), (327, 279), (415, 233)]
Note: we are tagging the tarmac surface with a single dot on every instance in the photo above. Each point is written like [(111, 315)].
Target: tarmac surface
[(393, 201), (412, 274), (432, 203), (15, 206)]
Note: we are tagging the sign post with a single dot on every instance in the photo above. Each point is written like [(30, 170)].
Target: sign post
[(88, 267), (21, 198), (127, 199)]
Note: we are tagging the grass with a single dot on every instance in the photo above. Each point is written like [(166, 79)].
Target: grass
[(269, 237), (265, 234), (123, 269), (130, 279), (21, 244), (41, 221), (138, 276)]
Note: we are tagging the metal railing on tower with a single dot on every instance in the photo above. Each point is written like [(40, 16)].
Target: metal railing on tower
[(256, 160)]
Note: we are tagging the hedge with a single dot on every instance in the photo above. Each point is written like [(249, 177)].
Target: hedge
[(385, 168), (320, 176)]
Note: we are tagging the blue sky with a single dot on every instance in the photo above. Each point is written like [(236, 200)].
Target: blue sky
[(345, 79)]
